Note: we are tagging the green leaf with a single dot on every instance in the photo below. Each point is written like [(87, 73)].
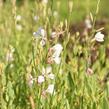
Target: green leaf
[(10, 90), (70, 80), (105, 104)]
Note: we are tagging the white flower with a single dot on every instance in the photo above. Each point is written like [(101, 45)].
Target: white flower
[(40, 33), (57, 47), (50, 89), (48, 72), (89, 71), (30, 80), (30, 83), (53, 34), (57, 60), (42, 42), (55, 14), (36, 18), (19, 27), (48, 69), (9, 57), (18, 17), (88, 23), (57, 50), (12, 49), (99, 37), (51, 76), (41, 79), (56, 53), (45, 1)]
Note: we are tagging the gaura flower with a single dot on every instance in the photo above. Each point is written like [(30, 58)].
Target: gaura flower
[(46, 73), (88, 23), (30, 80), (45, 1), (39, 33), (57, 47), (43, 94), (46, 70), (41, 79), (55, 14), (53, 34), (9, 55), (57, 50), (54, 54), (36, 18), (18, 27), (18, 18), (42, 35), (57, 60), (43, 42), (51, 76), (99, 37), (50, 89), (89, 71)]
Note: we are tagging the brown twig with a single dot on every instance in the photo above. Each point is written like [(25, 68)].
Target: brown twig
[(32, 102)]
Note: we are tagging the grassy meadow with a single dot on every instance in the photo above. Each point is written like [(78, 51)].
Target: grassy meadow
[(54, 55)]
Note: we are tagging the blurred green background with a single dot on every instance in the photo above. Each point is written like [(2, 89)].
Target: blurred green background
[(22, 42), (29, 8)]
